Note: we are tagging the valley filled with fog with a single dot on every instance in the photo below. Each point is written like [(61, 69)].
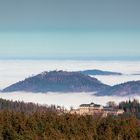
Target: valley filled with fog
[(12, 71)]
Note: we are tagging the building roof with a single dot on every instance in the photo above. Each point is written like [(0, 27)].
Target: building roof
[(90, 105)]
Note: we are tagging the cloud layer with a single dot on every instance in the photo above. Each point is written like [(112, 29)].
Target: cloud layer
[(12, 71), (67, 100)]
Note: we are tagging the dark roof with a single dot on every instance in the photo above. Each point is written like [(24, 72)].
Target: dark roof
[(89, 105)]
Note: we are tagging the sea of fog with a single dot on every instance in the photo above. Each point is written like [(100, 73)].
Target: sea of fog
[(12, 71)]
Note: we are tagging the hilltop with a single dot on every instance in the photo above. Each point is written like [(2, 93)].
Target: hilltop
[(124, 89), (58, 81), (99, 72)]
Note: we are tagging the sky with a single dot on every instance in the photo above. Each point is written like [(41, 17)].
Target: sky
[(73, 29)]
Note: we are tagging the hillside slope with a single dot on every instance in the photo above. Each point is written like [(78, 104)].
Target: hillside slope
[(58, 81), (125, 89)]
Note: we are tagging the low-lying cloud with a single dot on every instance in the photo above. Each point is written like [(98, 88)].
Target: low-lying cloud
[(12, 71), (63, 99)]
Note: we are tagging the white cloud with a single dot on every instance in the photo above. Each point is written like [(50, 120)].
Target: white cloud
[(12, 71), (67, 100), (114, 79)]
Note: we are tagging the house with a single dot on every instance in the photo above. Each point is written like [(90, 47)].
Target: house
[(96, 110), (90, 109)]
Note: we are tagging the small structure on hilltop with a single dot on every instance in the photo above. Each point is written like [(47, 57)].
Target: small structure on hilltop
[(96, 110)]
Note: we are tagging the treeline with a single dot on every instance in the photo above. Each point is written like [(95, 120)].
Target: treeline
[(28, 121), (131, 107), (28, 108)]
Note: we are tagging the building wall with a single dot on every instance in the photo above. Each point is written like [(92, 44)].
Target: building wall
[(98, 111)]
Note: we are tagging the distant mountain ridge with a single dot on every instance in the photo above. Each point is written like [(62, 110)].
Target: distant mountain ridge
[(63, 81), (124, 89), (58, 81), (99, 72)]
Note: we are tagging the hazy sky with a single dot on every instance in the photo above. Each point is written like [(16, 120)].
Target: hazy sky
[(69, 28)]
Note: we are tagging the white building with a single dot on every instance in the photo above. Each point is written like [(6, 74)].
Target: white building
[(96, 110)]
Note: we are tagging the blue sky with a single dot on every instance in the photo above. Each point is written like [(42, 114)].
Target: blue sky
[(69, 29)]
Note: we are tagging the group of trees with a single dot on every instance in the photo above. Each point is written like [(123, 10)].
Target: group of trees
[(27, 121), (29, 108), (50, 126), (131, 107)]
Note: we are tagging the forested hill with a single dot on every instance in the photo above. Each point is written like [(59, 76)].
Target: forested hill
[(58, 81), (124, 89)]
